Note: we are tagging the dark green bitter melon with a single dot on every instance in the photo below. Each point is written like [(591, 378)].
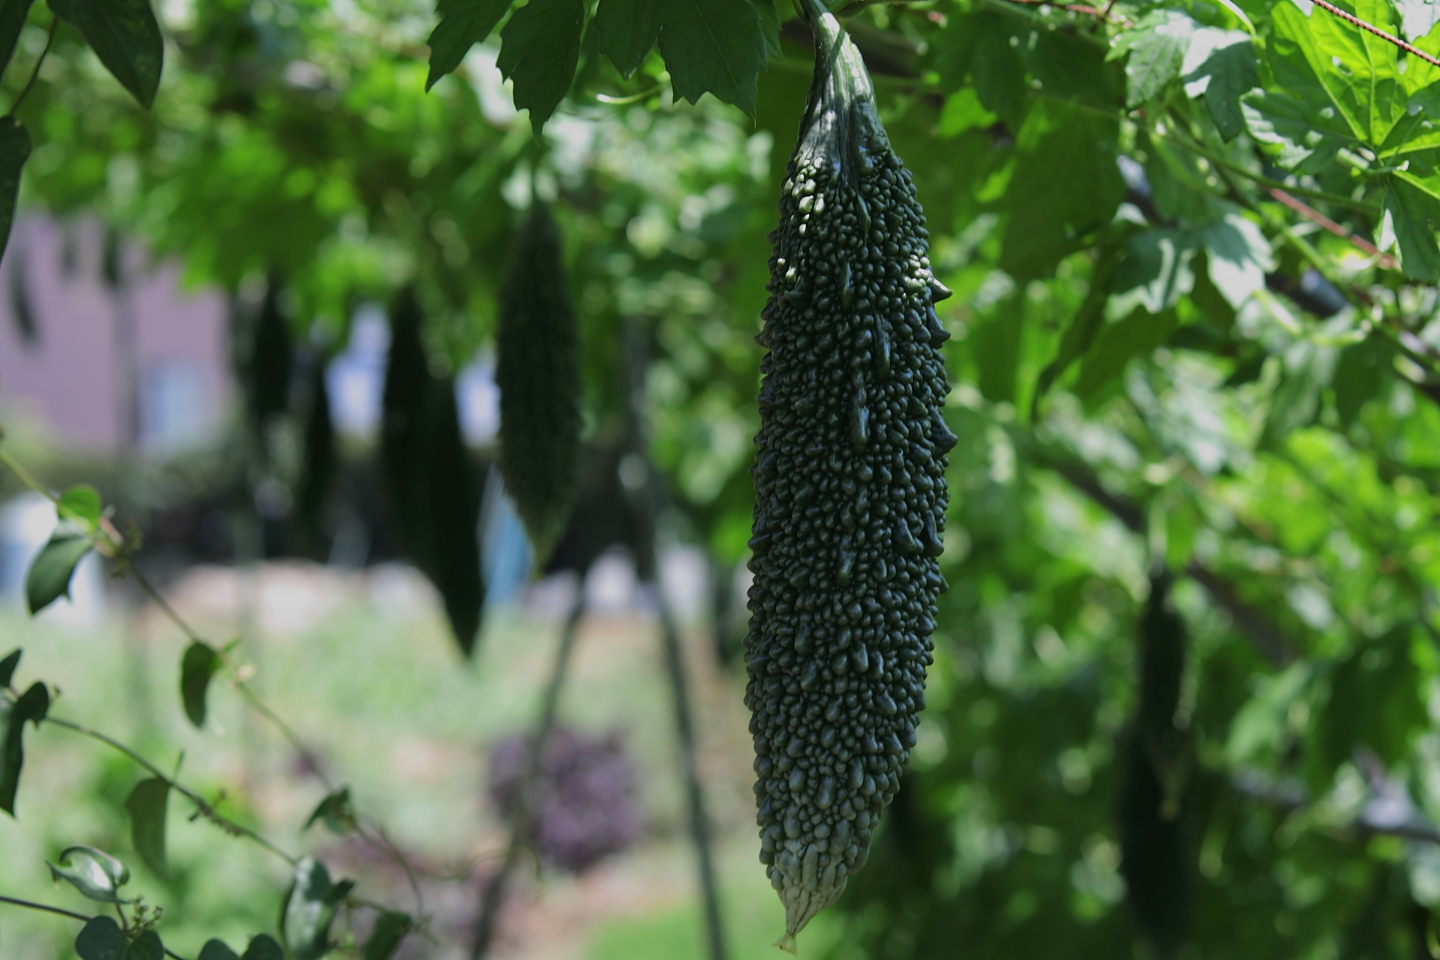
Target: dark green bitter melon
[(850, 490), (537, 368)]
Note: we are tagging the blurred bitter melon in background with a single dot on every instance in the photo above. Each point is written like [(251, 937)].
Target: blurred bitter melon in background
[(850, 490), (537, 368), (1154, 849)]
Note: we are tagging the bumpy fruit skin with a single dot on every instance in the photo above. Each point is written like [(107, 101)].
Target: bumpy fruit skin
[(850, 491), (537, 368)]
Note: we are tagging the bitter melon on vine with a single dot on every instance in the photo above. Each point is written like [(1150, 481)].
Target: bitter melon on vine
[(850, 490), (537, 369)]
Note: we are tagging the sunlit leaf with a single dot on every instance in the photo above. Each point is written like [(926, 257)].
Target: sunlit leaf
[(93, 872)]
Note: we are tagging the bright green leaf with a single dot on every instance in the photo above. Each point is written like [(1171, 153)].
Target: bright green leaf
[(1156, 271), (126, 38), (626, 31), (463, 23), (1407, 226), (713, 46), (540, 47), (13, 14), (93, 872), (336, 811), (14, 150), (146, 806), (1305, 138), (197, 667), (1228, 70), (31, 706), (309, 909), (8, 665), (1238, 257), (82, 504), (50, 572), (390, 929), (1156, 46)]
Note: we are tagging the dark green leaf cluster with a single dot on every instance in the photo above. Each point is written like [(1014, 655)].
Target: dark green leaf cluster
[(850, 491)]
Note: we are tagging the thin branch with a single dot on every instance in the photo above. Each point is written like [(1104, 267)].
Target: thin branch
[(1351, 18), (1316, 217), (206, 809), (45, 907), (35, 73)]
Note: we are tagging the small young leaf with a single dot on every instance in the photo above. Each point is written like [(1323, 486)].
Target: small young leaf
[(336, 811), (196, 668), (93, 872), (264, 947), (539, 50), (146, 806), (390, 928), (126, 38), (52, 568), (81, 503), (102, 939), (309, 909), (32, 705), (216, 950), (14, 151), (8, 665), (463, 23), (12, 21)]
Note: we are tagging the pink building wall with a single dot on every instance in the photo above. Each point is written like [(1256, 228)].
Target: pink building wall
[(70, 381)]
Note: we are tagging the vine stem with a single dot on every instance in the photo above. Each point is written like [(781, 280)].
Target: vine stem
[(35, 73), (1371, 28), (61, 911), (206, 809), (494, 895)]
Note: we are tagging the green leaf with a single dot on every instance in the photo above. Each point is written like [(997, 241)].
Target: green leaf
[(102, 939), (146, 806), (82, 504), (540, 48), (309, 909), (713, 46), (463, 23), (1228, 71), (1239, 256), (626, 30), (1156, 46), (197, 667), (390, 928), (54, 566), (14, 151), (1156, 271), (13, 14), (1137, 335), (1303, 137), (1088, 321), (126, 38), (1296, 400), (31, 706), (996, 67), (336, 811), (1407, 226), (216, 950), (93, 872), (264, 947), (8, 665), (1377, 700), (1360, 375)]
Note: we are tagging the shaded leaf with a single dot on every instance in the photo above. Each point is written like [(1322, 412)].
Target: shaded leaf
[(93, 872), (1088, 321), (14, 151), (53, 567), (1362, 372), (197, 667), (1156, 47), (539, 51), (1137, 335), (146, 806), (216, 950), (1238, 257), (1407, 226), (126, 38), (309, 909), (13, 14), (1156, 271), (1305, 139), (1226, 74), (463, 23), (1296, 399), (264, 947), (336, 811), (8, 665), (390, 928), (713, 46), (30, 706), (102, 939), (1377, 701), (626, 30)]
